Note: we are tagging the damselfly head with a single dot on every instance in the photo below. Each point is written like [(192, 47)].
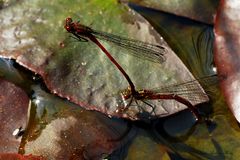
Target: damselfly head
[(68, 24), (126, 94), (68, 20)]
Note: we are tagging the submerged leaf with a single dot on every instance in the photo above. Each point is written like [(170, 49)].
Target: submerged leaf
[(61, 130)]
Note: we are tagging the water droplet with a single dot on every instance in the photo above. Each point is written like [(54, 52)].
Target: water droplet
[(37, 101), (15, 132), (214, 69), (84, 63)]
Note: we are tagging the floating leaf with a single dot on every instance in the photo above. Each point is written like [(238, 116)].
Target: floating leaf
[(202, 11), (80, 72), (13, 116), (227, 52), (15, 156)]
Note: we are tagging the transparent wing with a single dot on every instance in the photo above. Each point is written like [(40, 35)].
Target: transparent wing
[(153, 53), (190, 90)]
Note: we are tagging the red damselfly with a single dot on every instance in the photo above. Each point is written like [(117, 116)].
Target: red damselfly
[(154, 53), (188, 93), (148, 51)]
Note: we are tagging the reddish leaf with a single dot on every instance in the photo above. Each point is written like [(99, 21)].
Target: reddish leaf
[(15, 156), (227, 52), (13, 114)]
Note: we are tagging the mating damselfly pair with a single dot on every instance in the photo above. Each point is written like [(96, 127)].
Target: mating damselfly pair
[(153, 53)]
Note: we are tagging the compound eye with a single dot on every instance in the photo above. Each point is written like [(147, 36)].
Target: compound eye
[(68, 20)]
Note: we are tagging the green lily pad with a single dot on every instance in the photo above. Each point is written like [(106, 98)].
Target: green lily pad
[(33, 34)]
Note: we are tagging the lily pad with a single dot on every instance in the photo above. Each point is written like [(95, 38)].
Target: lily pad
[(202, 11), (80, 72), (13, 116), (227, 53), (19, 157)]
